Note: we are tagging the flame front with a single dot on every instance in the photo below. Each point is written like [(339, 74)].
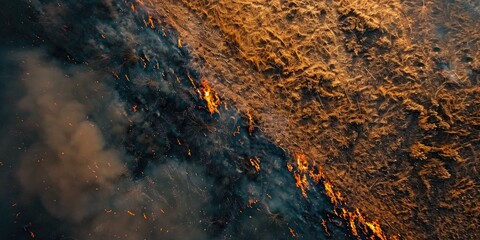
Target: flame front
[(356, 221), (210, 96)]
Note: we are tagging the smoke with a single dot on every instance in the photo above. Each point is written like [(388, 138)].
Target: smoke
[(69, 161), (82, 181)]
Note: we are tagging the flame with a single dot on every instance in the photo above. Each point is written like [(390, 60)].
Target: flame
[(302, 162), (255, 163), (251, 126), (132, 6), (210, 96), (289, 167), (302, 183), (179, 43), (150, 21), (131, 213), (134, 108)]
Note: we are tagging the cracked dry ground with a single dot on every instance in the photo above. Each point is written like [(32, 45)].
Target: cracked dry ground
[(385, 96)]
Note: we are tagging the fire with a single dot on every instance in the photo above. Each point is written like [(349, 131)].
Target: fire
[(251, 126), (255, 163), (289, 167), (292, 232), (354, 218), (210, 96), (132, 6), (150, 21), (130, 213), (335, 197), (324, 225), (302, 183), (134, 108), (376, 229), (302, 162), (179, 43)]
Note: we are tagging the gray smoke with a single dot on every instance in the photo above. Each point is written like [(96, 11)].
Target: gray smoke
[(83, 182)]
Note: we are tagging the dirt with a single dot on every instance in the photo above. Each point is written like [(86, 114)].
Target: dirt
[(383, 95)]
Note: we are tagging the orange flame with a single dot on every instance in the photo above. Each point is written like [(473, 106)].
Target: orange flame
[(210, 96), (150, 21), (302, 183), (302, 162)]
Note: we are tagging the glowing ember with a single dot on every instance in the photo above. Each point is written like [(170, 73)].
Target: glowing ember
[(130, 213), (211, 97), (324, 225), (251, 127), (179, 43), (255, 163), (292, 232), (150, 21)]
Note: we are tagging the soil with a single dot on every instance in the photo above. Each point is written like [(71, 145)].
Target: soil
[(384, 95)]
